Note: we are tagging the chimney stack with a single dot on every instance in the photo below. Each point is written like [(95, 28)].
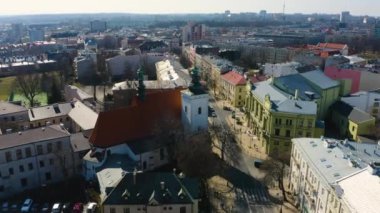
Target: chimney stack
[(134, 176), (162, 185), (296, 95)]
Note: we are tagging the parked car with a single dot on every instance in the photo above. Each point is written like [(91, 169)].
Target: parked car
[(15, 207), (45, 207), (67, 207), (91, 208), (226, 108), (56, 208), (78, 208), (27, 205), (5, 207)]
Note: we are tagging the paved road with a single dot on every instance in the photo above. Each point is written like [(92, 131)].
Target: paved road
[(251, 194)]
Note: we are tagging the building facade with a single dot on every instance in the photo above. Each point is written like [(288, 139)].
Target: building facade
[(233, 88), (34, 158)]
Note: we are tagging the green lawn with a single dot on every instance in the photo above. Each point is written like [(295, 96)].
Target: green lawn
[(41, 98), (6, 87)]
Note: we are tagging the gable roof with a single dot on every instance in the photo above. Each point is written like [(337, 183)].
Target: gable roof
[(49, 111), (319, 79), (148, 189), (8, 108), (352, 113), (83, 116), (138, 120), (234, 78)]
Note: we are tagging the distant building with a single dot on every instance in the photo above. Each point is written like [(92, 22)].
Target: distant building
[(280, 69), (153, 192), (345, 17), (36, 35), (85, 65), (325, 175), (193, 32), (16, 33), (262, 14), (329, 49), (98, 26)]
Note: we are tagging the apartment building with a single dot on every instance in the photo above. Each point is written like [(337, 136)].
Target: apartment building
[(322, 172), (233, 88), (35, 157), (276, 118), (50, 114)]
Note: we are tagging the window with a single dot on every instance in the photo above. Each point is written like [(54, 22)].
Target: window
[(199, 110), (60, 120), (289, 122), (59, 145), (239, 97), (18, 154), (277, 132), (1, 188), (126, 210), (8, 156), (30, 166), (10, 170), (67, 118), (42, 163), (28, 152), (51, 161), (48, 176), (13, 118), (182, 209), (276, 143), (287, 133), (39, 150), (286, 143), (112, 210), (309, 123), (186, 109), (299, 133), (170, 208), (300, 123), (21, 168), (376, 104), (277, 121), (49, 147), (239, 90), (375, 111), (308, 134), (162, 154)]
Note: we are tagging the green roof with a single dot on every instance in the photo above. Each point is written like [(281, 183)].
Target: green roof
[(153, 188)]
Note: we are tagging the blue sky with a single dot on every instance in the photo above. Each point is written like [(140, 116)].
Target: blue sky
[(356, 7)]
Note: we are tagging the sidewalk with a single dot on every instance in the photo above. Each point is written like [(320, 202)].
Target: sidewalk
[(246, 140)]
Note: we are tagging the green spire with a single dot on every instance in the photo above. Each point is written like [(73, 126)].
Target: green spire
[(195, 86), (141, 86)]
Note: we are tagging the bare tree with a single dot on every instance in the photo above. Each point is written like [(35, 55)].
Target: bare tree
[(29, 85), (195, 157), (276, 170)]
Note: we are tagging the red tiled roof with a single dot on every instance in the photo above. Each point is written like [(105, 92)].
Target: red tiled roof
[(234, 78), (331, 46), (137, 121)]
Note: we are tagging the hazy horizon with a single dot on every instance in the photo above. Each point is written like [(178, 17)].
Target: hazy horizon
[(28, 7)]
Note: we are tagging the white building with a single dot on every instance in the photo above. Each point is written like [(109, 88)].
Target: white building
[(317, 165), (194, 111), (33, 158), (366, 101), (277, 70)]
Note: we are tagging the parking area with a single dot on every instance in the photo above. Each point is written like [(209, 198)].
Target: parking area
[(73, 195)]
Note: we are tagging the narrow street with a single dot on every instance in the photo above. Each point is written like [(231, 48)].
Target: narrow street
[(251, 194)]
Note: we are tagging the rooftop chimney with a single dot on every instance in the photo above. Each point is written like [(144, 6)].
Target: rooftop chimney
[(134, 176), (162, 185), (296, 95)]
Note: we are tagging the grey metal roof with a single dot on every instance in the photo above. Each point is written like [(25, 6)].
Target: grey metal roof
[(331, 164), (291, 83), (32, 136), (83, 115), (281, 102), (352, 113), (320, 79), (8, 108), (79, 142), (49, 111)]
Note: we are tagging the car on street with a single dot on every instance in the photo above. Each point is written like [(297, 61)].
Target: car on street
[(45, 207), (78, 208), (27, 205), (91, 207), (66, 208), (226, 108), (56, 208)]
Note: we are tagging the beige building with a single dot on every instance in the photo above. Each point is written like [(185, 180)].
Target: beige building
[(233, 88), (320, 173)]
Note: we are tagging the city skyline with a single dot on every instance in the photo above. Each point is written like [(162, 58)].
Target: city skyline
[(363, 7)]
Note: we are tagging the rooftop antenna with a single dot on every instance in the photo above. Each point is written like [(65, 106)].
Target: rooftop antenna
[(283, 11)]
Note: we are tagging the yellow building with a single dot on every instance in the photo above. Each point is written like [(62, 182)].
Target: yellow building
[(351, 121), (233, 88), (276, 118)]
